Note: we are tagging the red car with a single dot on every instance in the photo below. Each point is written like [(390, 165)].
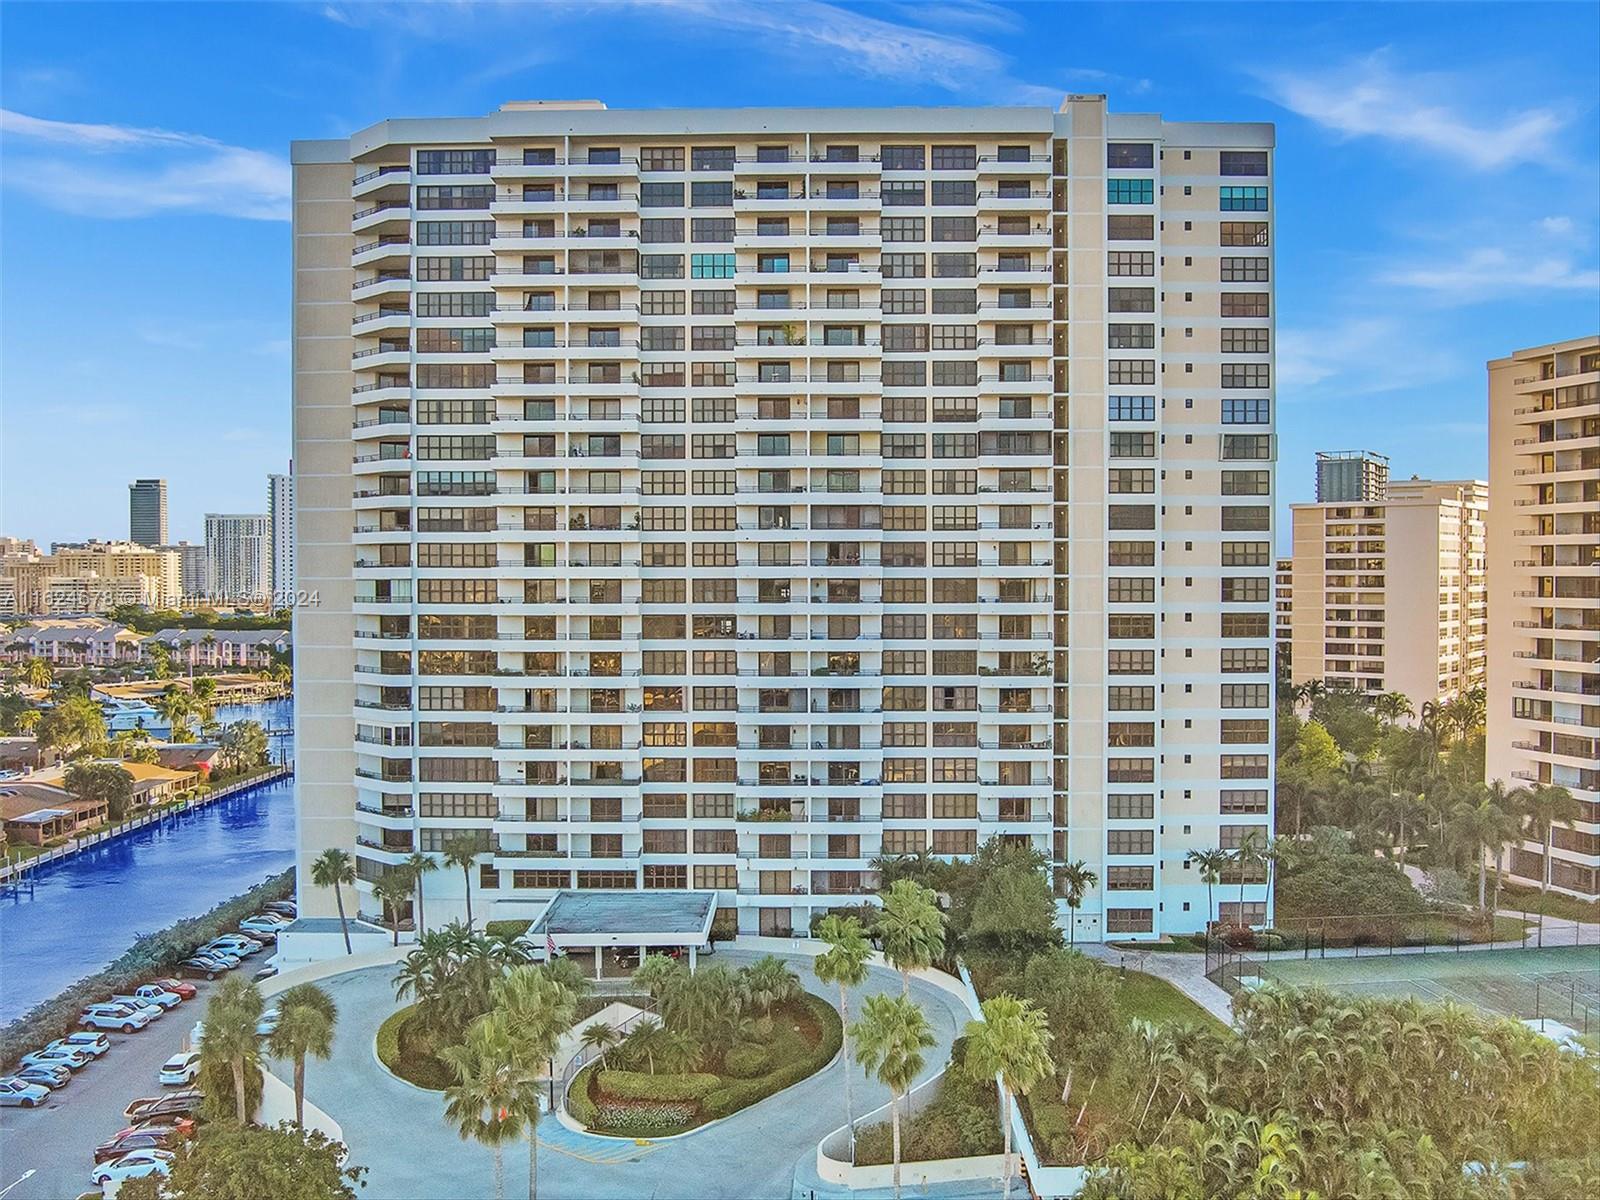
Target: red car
[(180, 989), (137, 1139)]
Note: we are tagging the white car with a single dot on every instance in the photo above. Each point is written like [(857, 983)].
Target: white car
[(181, 1068), (267, 1023), (232, 944), (57, 1055), (159, 996), (197, 1035), (93, 1044), (114, 1016), (136, 1164), (265, 924), (140, 1004), (15, 1093)]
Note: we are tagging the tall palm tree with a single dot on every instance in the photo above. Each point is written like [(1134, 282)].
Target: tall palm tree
[(231, 1041), (463, 852), (420, 864), (1012, 1042), (1249, 854), (1390, 707), (1211, 864), (536, 1013), (911, 928), (1487, 828), (306, 1017), (393, 889), (1545, 806), (332, 868), (1074, 880), (36, 673), (1509, 801), (600, 1037), (844, 962), (890, 1038), (484, 1103)]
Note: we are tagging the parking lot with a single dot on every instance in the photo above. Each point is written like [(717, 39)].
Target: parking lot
[(57, 1140)]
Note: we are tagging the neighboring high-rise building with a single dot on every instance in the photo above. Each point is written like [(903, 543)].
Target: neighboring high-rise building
[(1283, 614), (742, 495), (239, 557), (147, 512), (90, 577), (192, 567), (1392, 596), (1351, 476), (1544, 595), (280, 506)]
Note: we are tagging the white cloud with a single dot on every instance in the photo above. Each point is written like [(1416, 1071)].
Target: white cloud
[(1357, 356), (1368, 98), (1492, 271), (124, 171), (1558, 226)]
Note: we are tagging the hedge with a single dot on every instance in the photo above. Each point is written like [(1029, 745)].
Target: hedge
[(399, 1051), (731, 1097), (507, 929), (579, 1106), (152, 955), (747, 1061), (636, 1085)]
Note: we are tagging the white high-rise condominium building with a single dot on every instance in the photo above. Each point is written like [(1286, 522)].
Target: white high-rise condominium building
[(1544, 596), (239, 557), (741, 495), (280, 508)]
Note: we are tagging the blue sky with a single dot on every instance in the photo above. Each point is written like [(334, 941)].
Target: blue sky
[(1438, 190)]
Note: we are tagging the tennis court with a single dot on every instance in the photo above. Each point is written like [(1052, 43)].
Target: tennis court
[(1559, 982)]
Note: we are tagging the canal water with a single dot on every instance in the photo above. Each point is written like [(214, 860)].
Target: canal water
[(86, 910)]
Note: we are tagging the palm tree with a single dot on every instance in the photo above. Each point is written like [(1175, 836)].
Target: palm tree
[(1545, 806), (601, 1037), (770, 982), (890, 1038), (330, 869), (1487, 828), (484, 1102), (911, 928), (231, 1041), (393, 889), (1211, 864), (1509, 801), (27, 721), (36, 673), (1012, 1042), (306, 1017), (536, 1013), (1390, 707), (418, 865), (657, 973), (1248, 854), (176, 707), (1397, 809), (844, 962), (1073, 881), (463, 852)]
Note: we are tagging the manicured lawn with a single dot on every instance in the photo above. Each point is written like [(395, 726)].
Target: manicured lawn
[(1146, 998), (1552, 905)]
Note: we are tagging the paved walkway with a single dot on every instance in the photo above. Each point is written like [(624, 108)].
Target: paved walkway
[(1186, 972), (399, 1132)]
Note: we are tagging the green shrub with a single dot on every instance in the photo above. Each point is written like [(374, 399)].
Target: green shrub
[(408, 1052), (507, 929), (634, 1085), (747, 1060), (579, 1106), (150, 956), (731, 1097)]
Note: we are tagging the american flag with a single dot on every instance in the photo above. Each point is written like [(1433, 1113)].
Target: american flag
[(549, 944)]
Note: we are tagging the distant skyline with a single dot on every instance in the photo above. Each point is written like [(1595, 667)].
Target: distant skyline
[(1438, 192)]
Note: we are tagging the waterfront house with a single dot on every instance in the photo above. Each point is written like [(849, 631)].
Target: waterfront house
[(34, 813), (190, 756)]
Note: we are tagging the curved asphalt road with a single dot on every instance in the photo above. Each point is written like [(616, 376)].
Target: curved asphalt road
[(399, 1133)]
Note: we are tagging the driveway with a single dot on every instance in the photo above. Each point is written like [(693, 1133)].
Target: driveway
[(399, 1133)]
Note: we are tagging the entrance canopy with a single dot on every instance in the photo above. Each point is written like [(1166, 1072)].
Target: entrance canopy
[(643, 919)]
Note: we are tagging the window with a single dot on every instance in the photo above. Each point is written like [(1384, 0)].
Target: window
[(712, 302), (1246, 589), (711, 158), (1244, 233), (1130, 155), (1245, 659), (1131, 336), (1245, 554), (1244, 270), (1248, 446), (454, 233), (711, 266), (1134, 371), (1122, 590), (1244, 199), (1242, 801), (1129, 920), (1133, 445), (705, 193), (454, 304), (711, 229), (1245, 341), (465, 196), (902, 229), (1130, 191), (1130, 262), (897, 192), (661, 195), (955, 158), (1138, 806), (904, 266), (454, 270), (1129, 228), (1130, 841), (1130, 879), (1131, 299), (955, 229), (1246, 375), (660, 266), (455, 162), (1131, 408), (1246, 695), (1245, 304), (963, 300), (661, 158), (1243, 162), (661, 303), (903, 158)]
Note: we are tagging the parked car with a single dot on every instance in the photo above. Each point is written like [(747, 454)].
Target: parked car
[(135, 1002), (181, 1068), (152, 993), (137, 1165), (50, 1075), (57, 1055), (267, 1023), (130, 1140), (201, 968), (284, 908), (184, 991), (16, 1093), (267, 972), (179, 1125), (237, 944), (183, 1102), (267, 924), (93, 1044), (222, 954), (113, 1016)]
